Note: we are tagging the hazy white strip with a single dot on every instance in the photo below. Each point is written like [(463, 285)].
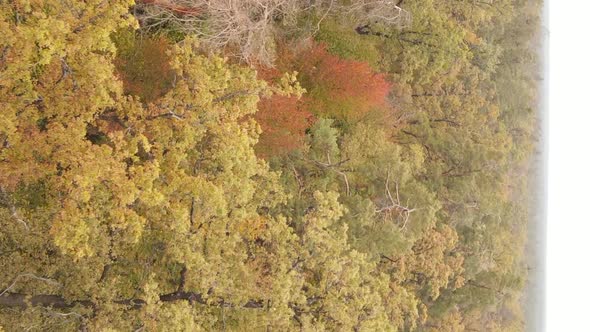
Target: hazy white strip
[(568, 233)]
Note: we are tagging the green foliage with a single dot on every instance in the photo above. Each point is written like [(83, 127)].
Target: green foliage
[(344, 42)]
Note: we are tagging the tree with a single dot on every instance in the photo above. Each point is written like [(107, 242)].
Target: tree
[(345, 90), (248, 28), (342, 294), (143, 65), (283, 120)]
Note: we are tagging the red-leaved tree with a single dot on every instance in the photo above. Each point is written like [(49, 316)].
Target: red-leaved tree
[(340, 88), (337, 88), (283, 120)]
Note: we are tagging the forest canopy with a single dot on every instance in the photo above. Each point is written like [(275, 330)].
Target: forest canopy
[(268, 165)]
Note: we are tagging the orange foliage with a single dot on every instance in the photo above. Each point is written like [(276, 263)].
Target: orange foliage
[(283, 120), (338, 88)]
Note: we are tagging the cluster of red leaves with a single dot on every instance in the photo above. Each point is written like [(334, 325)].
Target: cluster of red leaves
[(339, 88), (283, 120)]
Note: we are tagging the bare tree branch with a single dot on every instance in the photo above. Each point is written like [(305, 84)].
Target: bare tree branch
[(234, 94), (335, 168), (299, 181), (13, 209), (323, 17), (169, 114), (403, 210), (250, 26), (29, 275)]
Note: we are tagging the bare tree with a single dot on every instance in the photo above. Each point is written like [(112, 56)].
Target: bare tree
[(245, 26), (249, 27), (386, 12)]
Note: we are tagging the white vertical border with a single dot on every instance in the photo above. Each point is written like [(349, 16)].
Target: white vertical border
[(568, 228)]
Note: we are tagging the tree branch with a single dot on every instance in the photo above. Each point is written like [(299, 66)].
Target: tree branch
[(12, 208), (29, 275), (232, 95), (404, 211), (169, 114), (334, 167), (182, 281)]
